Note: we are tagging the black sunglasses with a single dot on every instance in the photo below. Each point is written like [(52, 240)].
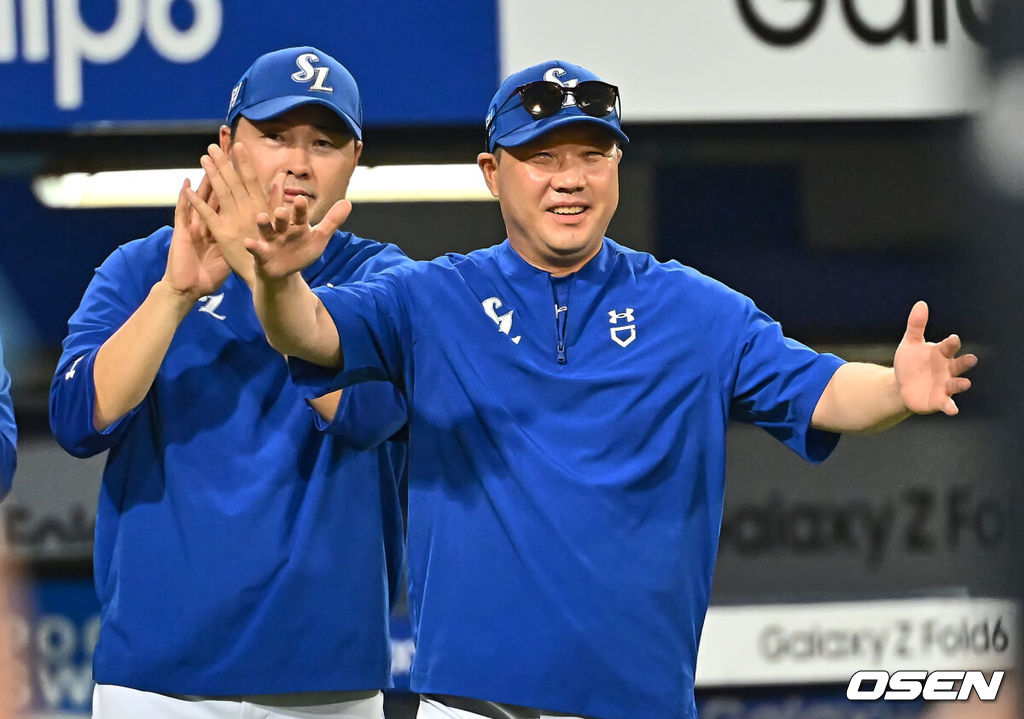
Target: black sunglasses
[(543, 99)]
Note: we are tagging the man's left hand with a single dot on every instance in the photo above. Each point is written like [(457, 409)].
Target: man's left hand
[(929, 373)]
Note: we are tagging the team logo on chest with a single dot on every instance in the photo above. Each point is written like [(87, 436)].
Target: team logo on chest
[(210, 303), (622, 335), (504, 321)]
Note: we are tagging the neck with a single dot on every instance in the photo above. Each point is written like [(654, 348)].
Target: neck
[(557, 266)]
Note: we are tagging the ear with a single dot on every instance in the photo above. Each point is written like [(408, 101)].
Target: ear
[(224, 139), (357, 148), (488, 164), (618, 154)]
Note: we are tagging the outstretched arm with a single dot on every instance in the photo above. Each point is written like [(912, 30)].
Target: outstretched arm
[(923, 379), (295, 321), (127, 363), (241, 198)]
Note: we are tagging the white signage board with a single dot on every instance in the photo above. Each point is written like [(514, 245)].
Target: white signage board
[(829, 642), (697, 60)]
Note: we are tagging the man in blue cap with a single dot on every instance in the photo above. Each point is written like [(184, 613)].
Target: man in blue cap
[(246, 547), (568, 403), (8, 431)]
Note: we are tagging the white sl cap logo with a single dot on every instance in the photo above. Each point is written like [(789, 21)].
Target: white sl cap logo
[(308, 72), (553, 75)]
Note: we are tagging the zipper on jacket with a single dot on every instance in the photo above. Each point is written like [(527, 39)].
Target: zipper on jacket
[(561, 320)]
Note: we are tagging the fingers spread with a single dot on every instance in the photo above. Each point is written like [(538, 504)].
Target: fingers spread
[(220, 187), (963, 363), (228, 172), (950, 346), (205, 190), (255, 248), (300, 211), (335, 216), (259, 249), (957, 385), (916, 322), (181, 208), (281, 217), (202, 208), (223, 163), (247, 173), (276, 198), (265, 224)]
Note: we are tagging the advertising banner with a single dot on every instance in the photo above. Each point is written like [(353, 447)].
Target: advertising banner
[(762, 59), (922, 507), (65, 63), (830, 642), (55, 633)]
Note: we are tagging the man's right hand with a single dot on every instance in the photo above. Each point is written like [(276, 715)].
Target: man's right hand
[(237, 191), (127, 363), (195, 264)]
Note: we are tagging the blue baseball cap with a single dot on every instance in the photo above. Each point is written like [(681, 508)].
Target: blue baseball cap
[(281, 80), (510, 125)]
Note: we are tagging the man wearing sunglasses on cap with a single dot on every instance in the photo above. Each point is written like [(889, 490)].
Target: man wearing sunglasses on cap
[(568, 403)]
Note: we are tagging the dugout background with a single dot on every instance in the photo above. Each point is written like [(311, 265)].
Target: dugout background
[(835, 212)]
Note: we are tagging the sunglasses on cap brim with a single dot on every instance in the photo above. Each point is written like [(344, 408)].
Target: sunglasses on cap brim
[(543, 99)]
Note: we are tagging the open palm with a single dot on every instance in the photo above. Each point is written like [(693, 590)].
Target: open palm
[(929, 373), (287, 243), (195, 264)]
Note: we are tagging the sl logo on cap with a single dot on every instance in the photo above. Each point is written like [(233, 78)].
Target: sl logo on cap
[(307, 72), (553, 74)]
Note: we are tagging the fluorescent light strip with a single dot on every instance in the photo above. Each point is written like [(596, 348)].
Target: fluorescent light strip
[(159, 188), (418, 183)]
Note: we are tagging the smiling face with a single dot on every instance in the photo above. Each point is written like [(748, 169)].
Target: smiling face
[(310, 145), (557, 194)]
